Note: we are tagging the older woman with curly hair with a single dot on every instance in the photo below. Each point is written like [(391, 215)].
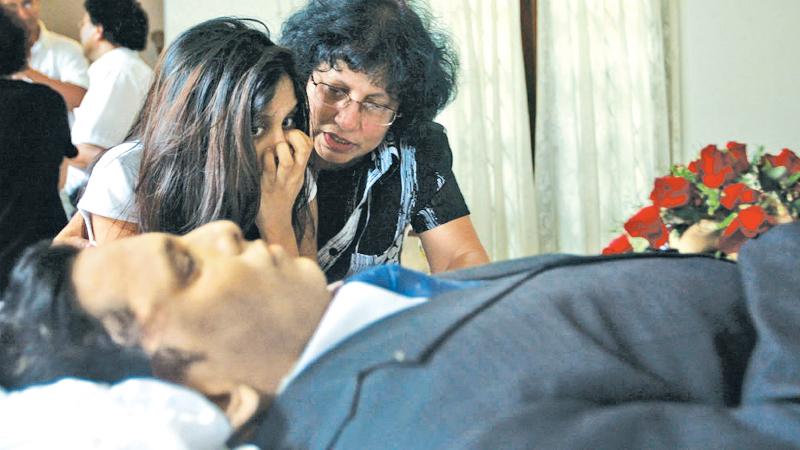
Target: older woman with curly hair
[(377, 76)]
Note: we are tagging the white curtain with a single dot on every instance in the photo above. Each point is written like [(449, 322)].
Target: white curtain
[(488, 124), (604, 112)]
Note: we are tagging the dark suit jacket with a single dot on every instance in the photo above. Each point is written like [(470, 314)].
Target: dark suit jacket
[(644, 351)]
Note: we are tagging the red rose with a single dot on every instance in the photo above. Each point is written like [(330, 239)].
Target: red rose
[(737, 154), (754, 221), (786, 158), (715, 167), (693, 166), (647, 224), (750, 222), (736, 194), (732, 238), (671, 192), (619, 245)]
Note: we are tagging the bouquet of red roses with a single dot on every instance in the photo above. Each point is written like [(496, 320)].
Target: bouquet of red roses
[(716, 203)]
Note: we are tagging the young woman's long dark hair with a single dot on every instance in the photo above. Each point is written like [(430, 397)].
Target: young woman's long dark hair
[(199, 162)]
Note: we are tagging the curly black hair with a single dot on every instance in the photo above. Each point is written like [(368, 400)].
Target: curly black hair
[(392, 41), (13, 43), (124, 22), (45, 335)]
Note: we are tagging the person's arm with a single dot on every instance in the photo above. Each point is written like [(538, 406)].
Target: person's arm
[(106, 229), (284, 171), (308, 246), (72, 93), (453, 245), (74, 233), (87, 153), (441, 218)]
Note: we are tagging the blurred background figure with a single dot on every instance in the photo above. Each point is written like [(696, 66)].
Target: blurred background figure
[(55, 60), (112, 32), (34, 138)]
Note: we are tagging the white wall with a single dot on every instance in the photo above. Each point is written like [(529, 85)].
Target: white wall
[(63, 16), (740, 73), (182, 14)]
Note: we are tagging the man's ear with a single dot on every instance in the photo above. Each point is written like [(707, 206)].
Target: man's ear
[(98, 32), (243, 403), (122, 327)]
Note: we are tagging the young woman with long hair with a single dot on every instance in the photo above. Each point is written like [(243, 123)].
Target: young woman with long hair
[(217, 138)]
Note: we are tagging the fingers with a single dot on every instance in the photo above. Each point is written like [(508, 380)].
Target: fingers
[(73, 241), (302, 145), (270, 164), (286, 161)]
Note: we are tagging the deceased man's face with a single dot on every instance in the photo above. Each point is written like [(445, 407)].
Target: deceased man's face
[(245, 308)]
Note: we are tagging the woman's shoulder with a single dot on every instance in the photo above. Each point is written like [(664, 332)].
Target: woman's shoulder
[(430, 144), (425, 136), (423, 132), (127, 155)]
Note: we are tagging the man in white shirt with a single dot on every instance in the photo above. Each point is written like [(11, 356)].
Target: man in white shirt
[(112, 32), (56, 61)]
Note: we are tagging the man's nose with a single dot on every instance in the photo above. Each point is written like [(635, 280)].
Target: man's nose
[(221, 236), (349, 117)]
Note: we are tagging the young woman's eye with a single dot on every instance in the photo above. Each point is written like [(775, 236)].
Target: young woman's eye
[(258, 131), (289, 123)]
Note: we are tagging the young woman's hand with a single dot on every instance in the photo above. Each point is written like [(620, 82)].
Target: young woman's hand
[(74, 233), (281, 181)]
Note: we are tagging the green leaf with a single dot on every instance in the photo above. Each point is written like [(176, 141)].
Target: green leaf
[(793, 179), (750, 180), (724, 224), (704, 190), (713, 201), (774, 172), (681, 171), (759, 154)]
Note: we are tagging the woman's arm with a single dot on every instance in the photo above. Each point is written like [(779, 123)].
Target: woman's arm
[(308, 246), (106, 229), (453, 245), (103, 228), (74, 233), (284, 170)]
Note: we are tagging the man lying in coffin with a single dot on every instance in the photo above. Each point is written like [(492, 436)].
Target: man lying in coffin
[(637, 351)]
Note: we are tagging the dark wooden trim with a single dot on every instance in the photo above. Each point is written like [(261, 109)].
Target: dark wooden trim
[(527, 9)]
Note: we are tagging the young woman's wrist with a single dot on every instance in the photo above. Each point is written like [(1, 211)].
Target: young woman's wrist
[(278, 231)]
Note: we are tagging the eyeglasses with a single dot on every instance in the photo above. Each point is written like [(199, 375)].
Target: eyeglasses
[(12, 7), (371, 113)]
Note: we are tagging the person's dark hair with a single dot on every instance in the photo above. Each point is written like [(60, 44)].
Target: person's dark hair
[(13, 43), (198, 123), (45, 335), (124, 22), (392, 41)]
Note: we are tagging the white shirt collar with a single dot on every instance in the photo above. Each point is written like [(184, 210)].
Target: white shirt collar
[(44, 35), (355, 306)]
